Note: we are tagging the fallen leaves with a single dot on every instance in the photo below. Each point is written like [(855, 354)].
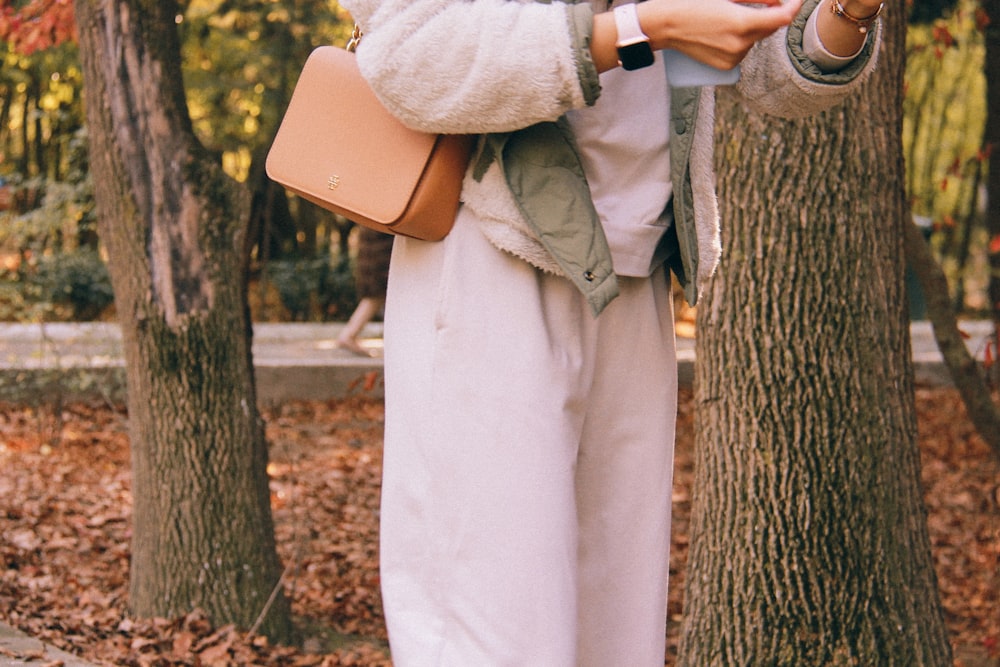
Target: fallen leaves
[(65, 502), (961, 484)]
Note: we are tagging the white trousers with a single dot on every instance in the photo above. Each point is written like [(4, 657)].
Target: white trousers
[(528, 463)]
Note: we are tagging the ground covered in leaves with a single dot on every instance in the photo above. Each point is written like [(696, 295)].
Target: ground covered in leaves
[(65, 515)]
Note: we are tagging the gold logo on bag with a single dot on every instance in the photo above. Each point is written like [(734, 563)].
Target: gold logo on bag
[(333, 182)]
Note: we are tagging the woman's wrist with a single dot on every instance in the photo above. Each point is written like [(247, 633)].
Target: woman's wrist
[(843, 25), (716, 32), (860, 15), (602, 42), (861, 10)]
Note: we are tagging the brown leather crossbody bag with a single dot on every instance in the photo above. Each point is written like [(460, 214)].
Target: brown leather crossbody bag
[(338, 147)]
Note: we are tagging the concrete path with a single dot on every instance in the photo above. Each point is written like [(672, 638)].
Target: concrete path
[(20, 650), (84, 361), (293, 361)]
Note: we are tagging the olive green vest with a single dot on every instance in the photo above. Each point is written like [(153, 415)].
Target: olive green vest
[(542, 167)]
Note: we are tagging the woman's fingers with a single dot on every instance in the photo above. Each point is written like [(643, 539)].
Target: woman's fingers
[(718, 32), (770, 18)]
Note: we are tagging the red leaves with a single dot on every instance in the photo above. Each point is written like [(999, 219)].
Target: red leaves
[(368, 382), (984, 153), (65, 508), (982, 18), (959, 480), (942, 35), (994, 246), (38, 25)]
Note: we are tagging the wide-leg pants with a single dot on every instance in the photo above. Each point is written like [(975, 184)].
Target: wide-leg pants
[(528, 462)]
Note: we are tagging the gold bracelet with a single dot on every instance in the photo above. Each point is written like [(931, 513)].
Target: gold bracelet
[(864, 24)]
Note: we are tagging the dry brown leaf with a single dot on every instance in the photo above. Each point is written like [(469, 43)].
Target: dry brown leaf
[(65, 528)]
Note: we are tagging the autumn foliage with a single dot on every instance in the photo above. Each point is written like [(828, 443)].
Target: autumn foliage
[(37, 24), (65, 517)]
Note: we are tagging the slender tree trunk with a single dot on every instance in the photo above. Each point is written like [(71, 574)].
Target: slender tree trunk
[(6, 98), (809, 537), (173, 225), (969, 376), (966, 372), (992, 142), (38, 135), (24, 159)]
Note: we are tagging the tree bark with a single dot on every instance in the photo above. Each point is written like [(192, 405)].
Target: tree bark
[(809, 537), (173, 225)]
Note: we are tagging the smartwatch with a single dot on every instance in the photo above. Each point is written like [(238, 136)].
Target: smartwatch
[(633, 47)]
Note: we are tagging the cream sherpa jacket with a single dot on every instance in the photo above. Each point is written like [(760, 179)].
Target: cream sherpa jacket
[(508, 70)]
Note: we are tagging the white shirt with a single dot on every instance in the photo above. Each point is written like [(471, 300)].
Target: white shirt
[(624, 147)]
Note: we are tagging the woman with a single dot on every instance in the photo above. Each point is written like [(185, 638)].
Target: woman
[(530, 368)]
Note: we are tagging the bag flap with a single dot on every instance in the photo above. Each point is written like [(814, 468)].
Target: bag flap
[(338, 143)]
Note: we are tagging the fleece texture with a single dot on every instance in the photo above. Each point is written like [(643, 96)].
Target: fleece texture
[(490, 67), (473, 67)]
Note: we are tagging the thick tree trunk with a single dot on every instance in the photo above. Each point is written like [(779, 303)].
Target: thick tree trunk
[(173, 225), (809, 538)]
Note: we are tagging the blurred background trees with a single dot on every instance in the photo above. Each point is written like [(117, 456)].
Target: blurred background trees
[(241, 59), (944, 120)]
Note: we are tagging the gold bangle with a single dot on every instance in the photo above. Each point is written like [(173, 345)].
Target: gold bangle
[(863, 24)]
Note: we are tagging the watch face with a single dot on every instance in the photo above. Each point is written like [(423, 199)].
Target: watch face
[(635, 56)]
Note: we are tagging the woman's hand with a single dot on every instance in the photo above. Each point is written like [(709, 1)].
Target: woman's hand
[(716, 32)]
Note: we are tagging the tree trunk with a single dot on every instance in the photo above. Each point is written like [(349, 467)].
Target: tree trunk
[(809, 537), (966, 372), (173, 225), (992, 142)]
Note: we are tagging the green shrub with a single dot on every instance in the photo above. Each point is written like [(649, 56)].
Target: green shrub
[(314, 289), (76, 282)]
